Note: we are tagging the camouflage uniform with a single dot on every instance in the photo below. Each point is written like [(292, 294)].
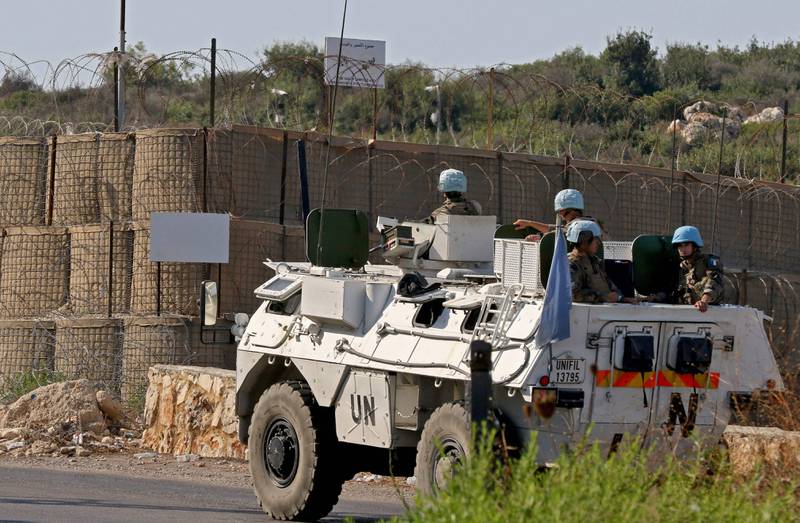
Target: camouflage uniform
[(456, 205), (700, 274), (590, 284)]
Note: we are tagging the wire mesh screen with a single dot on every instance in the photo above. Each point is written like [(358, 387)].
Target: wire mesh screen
[(115, 176), (25, 346), (180, 282), (23, 175), (404, 184), (294, 243), (74, 188), (255, 186), (35, 262), (150, 341), (528, 188), (90, 349), (219, 163), (94, 251), (251, 243), (168, 172), (218, 354)]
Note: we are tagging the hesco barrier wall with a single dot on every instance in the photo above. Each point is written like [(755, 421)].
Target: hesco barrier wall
[(251, 243), (168, 172), (180, 282), (75, 178), (25, 345), (115, 176), (252, 173), (35, 262), (23, 178), (90, 348), (149, 341), (96, 251)]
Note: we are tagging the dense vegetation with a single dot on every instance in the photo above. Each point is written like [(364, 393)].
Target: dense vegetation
[(615, 106), (635, 485)]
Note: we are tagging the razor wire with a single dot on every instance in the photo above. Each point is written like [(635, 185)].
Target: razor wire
[(531, 113)]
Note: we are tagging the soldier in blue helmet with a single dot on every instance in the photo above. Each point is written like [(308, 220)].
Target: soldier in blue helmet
[(568, 204), (590, 283), (453, 184), (700, 283)]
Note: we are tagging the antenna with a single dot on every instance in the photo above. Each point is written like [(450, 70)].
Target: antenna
[(331, 120)]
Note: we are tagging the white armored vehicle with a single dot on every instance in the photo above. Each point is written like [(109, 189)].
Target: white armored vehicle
[(349, 367)]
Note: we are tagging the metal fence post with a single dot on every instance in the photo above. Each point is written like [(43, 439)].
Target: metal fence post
[(783, 141), (213, 86), (490, 122), (110, 267), (480, 364)]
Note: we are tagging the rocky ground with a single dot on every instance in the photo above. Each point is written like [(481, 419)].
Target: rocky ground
[(74, 426)]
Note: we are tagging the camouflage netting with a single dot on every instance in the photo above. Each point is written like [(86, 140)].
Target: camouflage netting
[(25, 345), (75, 181), (23, 178), (89, 348), (35, 262), (251, 243), (115, 176), (90, 246), (150, 341), (180, 282), (168, 172)]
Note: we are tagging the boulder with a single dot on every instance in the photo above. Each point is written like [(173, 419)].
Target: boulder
[(770, 114), (773, 451), (110, 406), (191, 410), (64, 402), (701, 106)]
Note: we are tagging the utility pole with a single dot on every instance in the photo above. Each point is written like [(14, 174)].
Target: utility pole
[(120, 70)]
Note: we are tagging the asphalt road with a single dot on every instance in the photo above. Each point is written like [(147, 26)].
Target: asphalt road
[(41, 494)]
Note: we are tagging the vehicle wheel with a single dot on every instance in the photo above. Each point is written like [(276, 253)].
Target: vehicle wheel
[(293, 453), (444, 443)]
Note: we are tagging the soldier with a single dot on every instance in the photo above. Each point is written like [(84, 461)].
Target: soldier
[(568, 204), (700, 283), (590, 284), (453, 184)]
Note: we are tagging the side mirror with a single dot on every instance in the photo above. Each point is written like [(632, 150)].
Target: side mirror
[(209, 303)]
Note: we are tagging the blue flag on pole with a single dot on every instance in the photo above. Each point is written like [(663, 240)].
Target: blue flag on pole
[(554, 320)]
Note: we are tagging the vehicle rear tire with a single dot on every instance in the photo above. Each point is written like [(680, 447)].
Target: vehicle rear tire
[(292, 446), (444, 443)]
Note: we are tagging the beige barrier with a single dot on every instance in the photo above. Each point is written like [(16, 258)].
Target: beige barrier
[(34, 278), (23, 178), (89, 348), (25, 345), (94, 251)]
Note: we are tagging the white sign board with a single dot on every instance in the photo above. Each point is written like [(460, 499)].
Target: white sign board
[(363, 62), (189, 237)]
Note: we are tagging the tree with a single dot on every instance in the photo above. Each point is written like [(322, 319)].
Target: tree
[(687, 64), (632, 62)]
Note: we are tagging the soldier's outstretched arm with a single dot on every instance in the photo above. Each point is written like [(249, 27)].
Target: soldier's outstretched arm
[(524, 224)]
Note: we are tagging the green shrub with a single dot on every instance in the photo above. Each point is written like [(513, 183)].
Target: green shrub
[(25, 382), (587, 486)]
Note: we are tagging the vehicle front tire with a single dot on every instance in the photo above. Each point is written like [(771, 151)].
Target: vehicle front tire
[(292, 446), (444, 444)]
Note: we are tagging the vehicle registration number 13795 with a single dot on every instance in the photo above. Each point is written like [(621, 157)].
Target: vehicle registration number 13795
[(568, 370)]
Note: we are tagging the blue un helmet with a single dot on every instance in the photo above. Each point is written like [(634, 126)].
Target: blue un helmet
[(576, 227), (568, 199), (687, 233), (452, 180)]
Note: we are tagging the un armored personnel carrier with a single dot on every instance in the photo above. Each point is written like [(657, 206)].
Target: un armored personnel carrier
[(348, 366)]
